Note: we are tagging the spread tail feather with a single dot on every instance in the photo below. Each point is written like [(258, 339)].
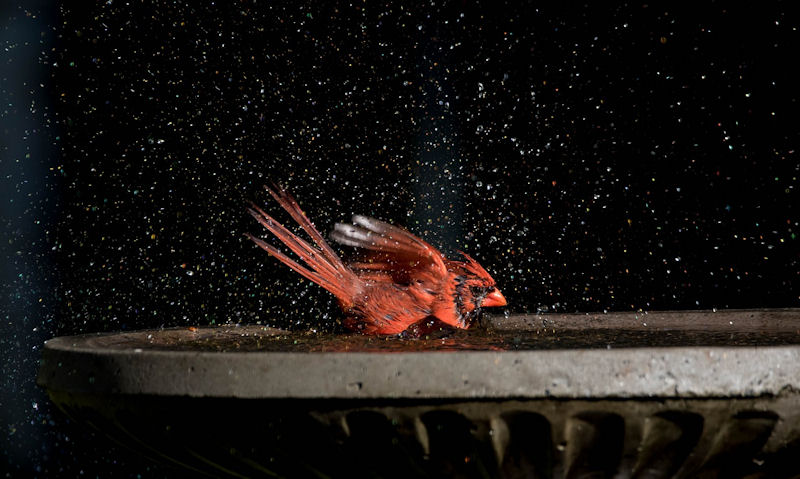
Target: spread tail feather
[(322, 265)]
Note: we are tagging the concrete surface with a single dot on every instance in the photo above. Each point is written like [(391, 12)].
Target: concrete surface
[(124, 363)]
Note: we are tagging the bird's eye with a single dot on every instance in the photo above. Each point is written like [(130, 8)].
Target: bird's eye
[(479, 291)]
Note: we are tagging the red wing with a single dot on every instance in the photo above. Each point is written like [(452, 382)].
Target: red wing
[(389, 253)]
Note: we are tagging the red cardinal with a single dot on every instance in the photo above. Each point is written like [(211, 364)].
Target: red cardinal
[(401, 280)]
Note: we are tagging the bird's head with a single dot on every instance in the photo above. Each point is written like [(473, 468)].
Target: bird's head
[(475, 289)]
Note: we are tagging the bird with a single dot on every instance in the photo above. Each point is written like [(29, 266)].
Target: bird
[(396, 282)]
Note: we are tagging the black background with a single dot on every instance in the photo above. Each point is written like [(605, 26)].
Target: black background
[(593, 158)]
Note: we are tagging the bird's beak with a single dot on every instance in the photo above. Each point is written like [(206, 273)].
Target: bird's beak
[(495, 298)]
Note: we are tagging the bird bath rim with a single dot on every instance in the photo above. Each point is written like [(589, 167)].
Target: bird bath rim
[(111, 364)]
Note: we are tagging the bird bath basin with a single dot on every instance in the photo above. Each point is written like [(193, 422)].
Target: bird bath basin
[(669, 394)]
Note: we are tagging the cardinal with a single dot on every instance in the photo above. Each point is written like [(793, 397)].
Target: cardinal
[(397, 282)]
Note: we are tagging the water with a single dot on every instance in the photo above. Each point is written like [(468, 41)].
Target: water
[(264, 339), (591, 158)]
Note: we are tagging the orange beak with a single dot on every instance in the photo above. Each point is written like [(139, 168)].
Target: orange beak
[(495, 298)]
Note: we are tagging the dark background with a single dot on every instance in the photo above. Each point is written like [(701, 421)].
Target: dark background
[(604, 158)]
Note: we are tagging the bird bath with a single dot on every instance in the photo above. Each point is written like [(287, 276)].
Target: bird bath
[(667, 394)]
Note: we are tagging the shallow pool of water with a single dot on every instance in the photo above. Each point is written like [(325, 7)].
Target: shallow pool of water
[(532, 332)]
